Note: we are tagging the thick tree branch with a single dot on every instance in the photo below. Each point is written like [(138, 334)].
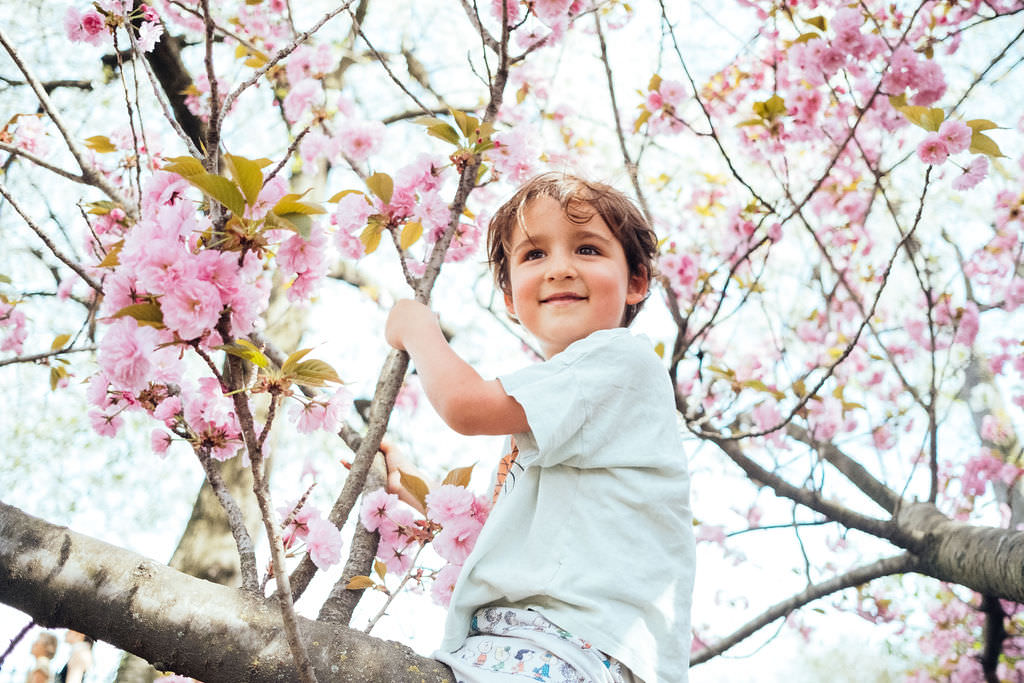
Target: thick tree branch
[(180, 623)]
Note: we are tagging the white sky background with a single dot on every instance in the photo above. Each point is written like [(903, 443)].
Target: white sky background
[(52, 465)]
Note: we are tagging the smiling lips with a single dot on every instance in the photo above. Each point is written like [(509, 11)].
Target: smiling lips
[(562, 297)]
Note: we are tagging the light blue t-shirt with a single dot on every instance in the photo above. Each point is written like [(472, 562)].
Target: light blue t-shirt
[(593, 529)]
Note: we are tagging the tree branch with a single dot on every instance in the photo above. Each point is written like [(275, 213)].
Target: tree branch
[(180, 623), (898, 564)]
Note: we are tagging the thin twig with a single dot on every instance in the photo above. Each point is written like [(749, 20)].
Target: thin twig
[(90, 174), (236, 521), (393, 594), (42, 356), (67, 260), (28, 156), (281, 54)]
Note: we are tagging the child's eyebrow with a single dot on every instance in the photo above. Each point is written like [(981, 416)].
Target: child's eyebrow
[(585, 234)]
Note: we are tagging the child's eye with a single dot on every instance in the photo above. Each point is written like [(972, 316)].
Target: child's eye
[(533, 254), (588, 250)]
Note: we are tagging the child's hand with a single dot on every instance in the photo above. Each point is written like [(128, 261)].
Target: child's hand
[(407, 319)]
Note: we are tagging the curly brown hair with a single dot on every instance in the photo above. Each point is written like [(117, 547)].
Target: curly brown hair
[(580, 199)]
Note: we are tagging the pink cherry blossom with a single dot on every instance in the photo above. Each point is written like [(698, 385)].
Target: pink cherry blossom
[(973, 174), (995, 430), (324, 542), (933, 149), (14, 328), (509, 7), (397, 527), (88, 27), (444, 584), (377, 506), (149, 35), (359, 139), (397, 558), (125, 353), (160, 440), (302, 97), (550, 11), (191, 308), (104, 424), (457, 539), (319, 414), (448, 502), (956, 135)]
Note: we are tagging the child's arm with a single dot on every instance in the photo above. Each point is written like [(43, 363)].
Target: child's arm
[(463, 399)]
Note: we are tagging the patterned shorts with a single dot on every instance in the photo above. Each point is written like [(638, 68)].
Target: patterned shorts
[(508, 645)]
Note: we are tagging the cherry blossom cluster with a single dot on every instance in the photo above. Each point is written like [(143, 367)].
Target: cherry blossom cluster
[(955, 642), (13, 328), (454, 519), (305, 523), (167, 292), (95, 25)]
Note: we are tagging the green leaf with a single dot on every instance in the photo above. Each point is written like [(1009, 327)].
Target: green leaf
[(370, 237), (817, 22), (359, 582), (979, 125), (443, 131), (246, 350), (467, 124), (57, 373), (344, 193), (983, 144), (60, 341), (659, 349), (459, 476), (4, 279), (112, 258), (641, 120), (144, 314), (416, 487), (379, 568), (247, 174), (185, 166), (427, 121), (771, 108), (381, 185), (758, 385), (799, 388), (293, 360), (290, 203), (100, 144), (297, 222), (929, 118), (314, 373), (220, 189), (806, 37), (654, 83), (102, 207), (411, 232)]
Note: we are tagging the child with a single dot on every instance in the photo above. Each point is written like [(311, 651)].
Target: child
[(585, 565)]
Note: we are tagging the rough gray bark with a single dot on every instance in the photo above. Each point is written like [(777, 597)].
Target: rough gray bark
[(180, 623)]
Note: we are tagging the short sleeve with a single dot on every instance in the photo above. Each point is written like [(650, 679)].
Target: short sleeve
[(579, 401), (555, 408)]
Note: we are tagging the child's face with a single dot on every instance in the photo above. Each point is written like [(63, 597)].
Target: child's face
[(566, 279)]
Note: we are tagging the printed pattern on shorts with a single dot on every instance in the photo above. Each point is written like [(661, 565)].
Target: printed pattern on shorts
[(507, 644)]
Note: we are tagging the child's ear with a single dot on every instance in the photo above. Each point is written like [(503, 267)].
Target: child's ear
[(510, 306), (636, 289)]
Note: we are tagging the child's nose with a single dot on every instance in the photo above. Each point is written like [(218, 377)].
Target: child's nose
[(560, 267)]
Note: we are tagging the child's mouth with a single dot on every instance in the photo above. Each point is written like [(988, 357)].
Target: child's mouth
[(566, 297)]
